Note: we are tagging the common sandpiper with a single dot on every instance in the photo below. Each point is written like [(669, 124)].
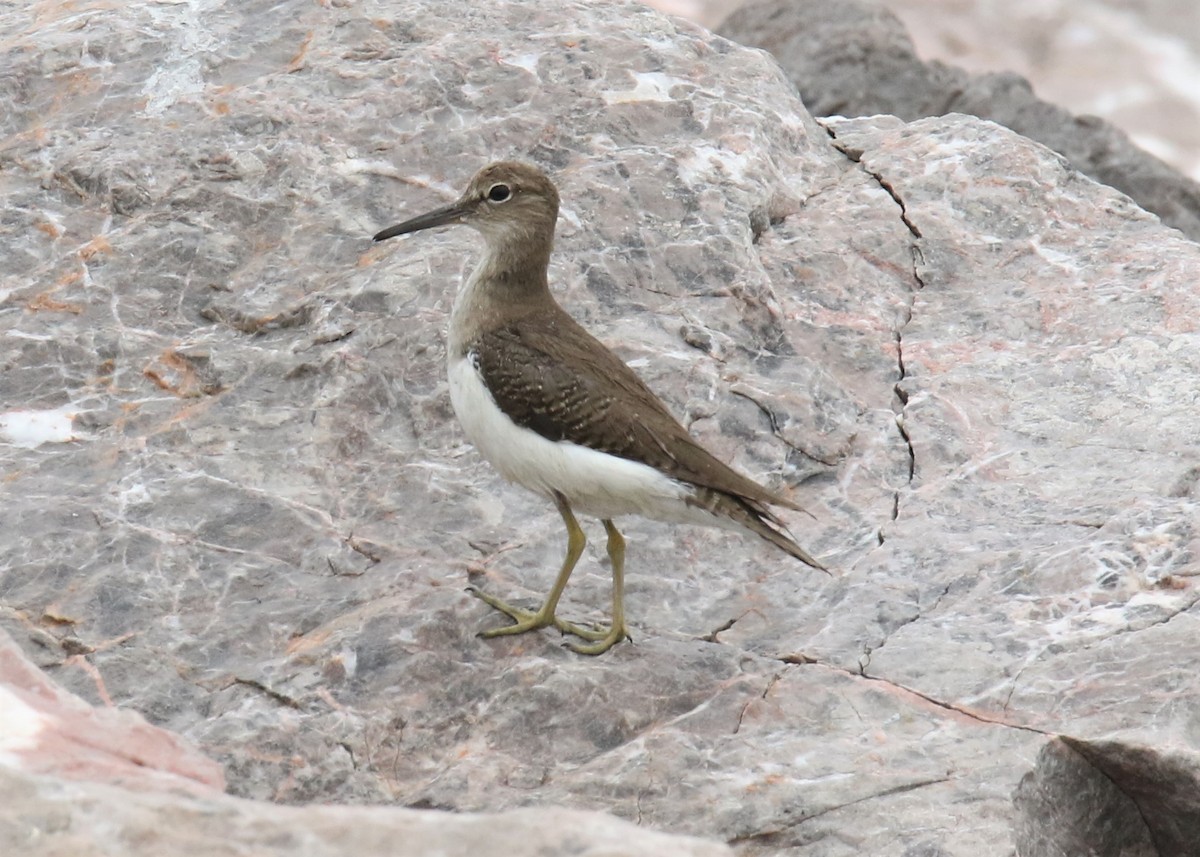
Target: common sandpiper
[(554, 410)]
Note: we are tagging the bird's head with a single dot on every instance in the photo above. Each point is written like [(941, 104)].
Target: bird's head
[(507, 202)]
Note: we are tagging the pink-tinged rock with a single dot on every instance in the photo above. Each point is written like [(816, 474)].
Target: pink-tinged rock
[(46, 730), (976, 368)]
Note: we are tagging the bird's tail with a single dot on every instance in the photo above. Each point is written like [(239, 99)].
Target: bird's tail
[(757, 518), (769, 527)]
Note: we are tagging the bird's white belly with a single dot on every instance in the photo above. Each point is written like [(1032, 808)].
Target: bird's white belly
[(594, 483)]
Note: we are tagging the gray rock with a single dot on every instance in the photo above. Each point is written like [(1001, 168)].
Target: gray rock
[(1109, 797), (976, 368), (856, 59), (78, 779)]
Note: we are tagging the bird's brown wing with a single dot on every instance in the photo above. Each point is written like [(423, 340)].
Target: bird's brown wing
[(550, 375)]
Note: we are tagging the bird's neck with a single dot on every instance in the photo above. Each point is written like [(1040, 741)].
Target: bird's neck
[(509, 282)]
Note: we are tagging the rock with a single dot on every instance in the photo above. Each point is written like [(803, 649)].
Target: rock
[(44, 730), (974, 366), (76, 779), (856, 59), (1109, 797)]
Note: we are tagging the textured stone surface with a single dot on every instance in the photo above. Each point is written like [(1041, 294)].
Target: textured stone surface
[(45, 730), (856, 59), (977, 369), (78, 779)]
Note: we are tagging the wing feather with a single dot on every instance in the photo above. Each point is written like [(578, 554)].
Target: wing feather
[(550, 375)]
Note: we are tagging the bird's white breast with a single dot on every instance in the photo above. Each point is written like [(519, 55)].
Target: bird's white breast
[(594, 483)]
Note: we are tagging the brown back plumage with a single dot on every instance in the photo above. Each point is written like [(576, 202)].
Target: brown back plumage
[(548, 374)]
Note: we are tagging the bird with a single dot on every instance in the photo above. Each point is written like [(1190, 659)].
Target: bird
[(554, 410)]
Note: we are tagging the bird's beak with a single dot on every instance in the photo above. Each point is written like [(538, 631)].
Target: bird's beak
[(453, 213)]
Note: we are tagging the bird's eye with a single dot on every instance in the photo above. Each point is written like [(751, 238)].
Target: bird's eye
[(499, 193)]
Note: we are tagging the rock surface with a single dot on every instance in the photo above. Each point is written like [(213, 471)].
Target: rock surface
[(45, 730), (79, 780), (856, 59), (977, 368)]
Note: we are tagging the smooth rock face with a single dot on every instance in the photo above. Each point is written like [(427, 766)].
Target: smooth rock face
[(855, 58), (976, 368)]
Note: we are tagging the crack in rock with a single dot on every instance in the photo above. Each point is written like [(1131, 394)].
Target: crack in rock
[(770, 836), (949, 706), (281, 698), (855, 155), (712, 636), (777, 431), (775, 678), (917, 616), (802, 659)]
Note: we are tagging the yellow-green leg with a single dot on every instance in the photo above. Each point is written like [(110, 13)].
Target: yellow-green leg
[(618, 631), (529, 620)]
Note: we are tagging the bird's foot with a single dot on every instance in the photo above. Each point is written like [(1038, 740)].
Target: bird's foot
[(603, 640), (531, 620)]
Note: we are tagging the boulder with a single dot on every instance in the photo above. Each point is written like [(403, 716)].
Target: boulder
[(974, 366), (855, 58)]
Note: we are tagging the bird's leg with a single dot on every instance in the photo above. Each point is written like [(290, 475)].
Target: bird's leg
[(618, 632), (528, 620)]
